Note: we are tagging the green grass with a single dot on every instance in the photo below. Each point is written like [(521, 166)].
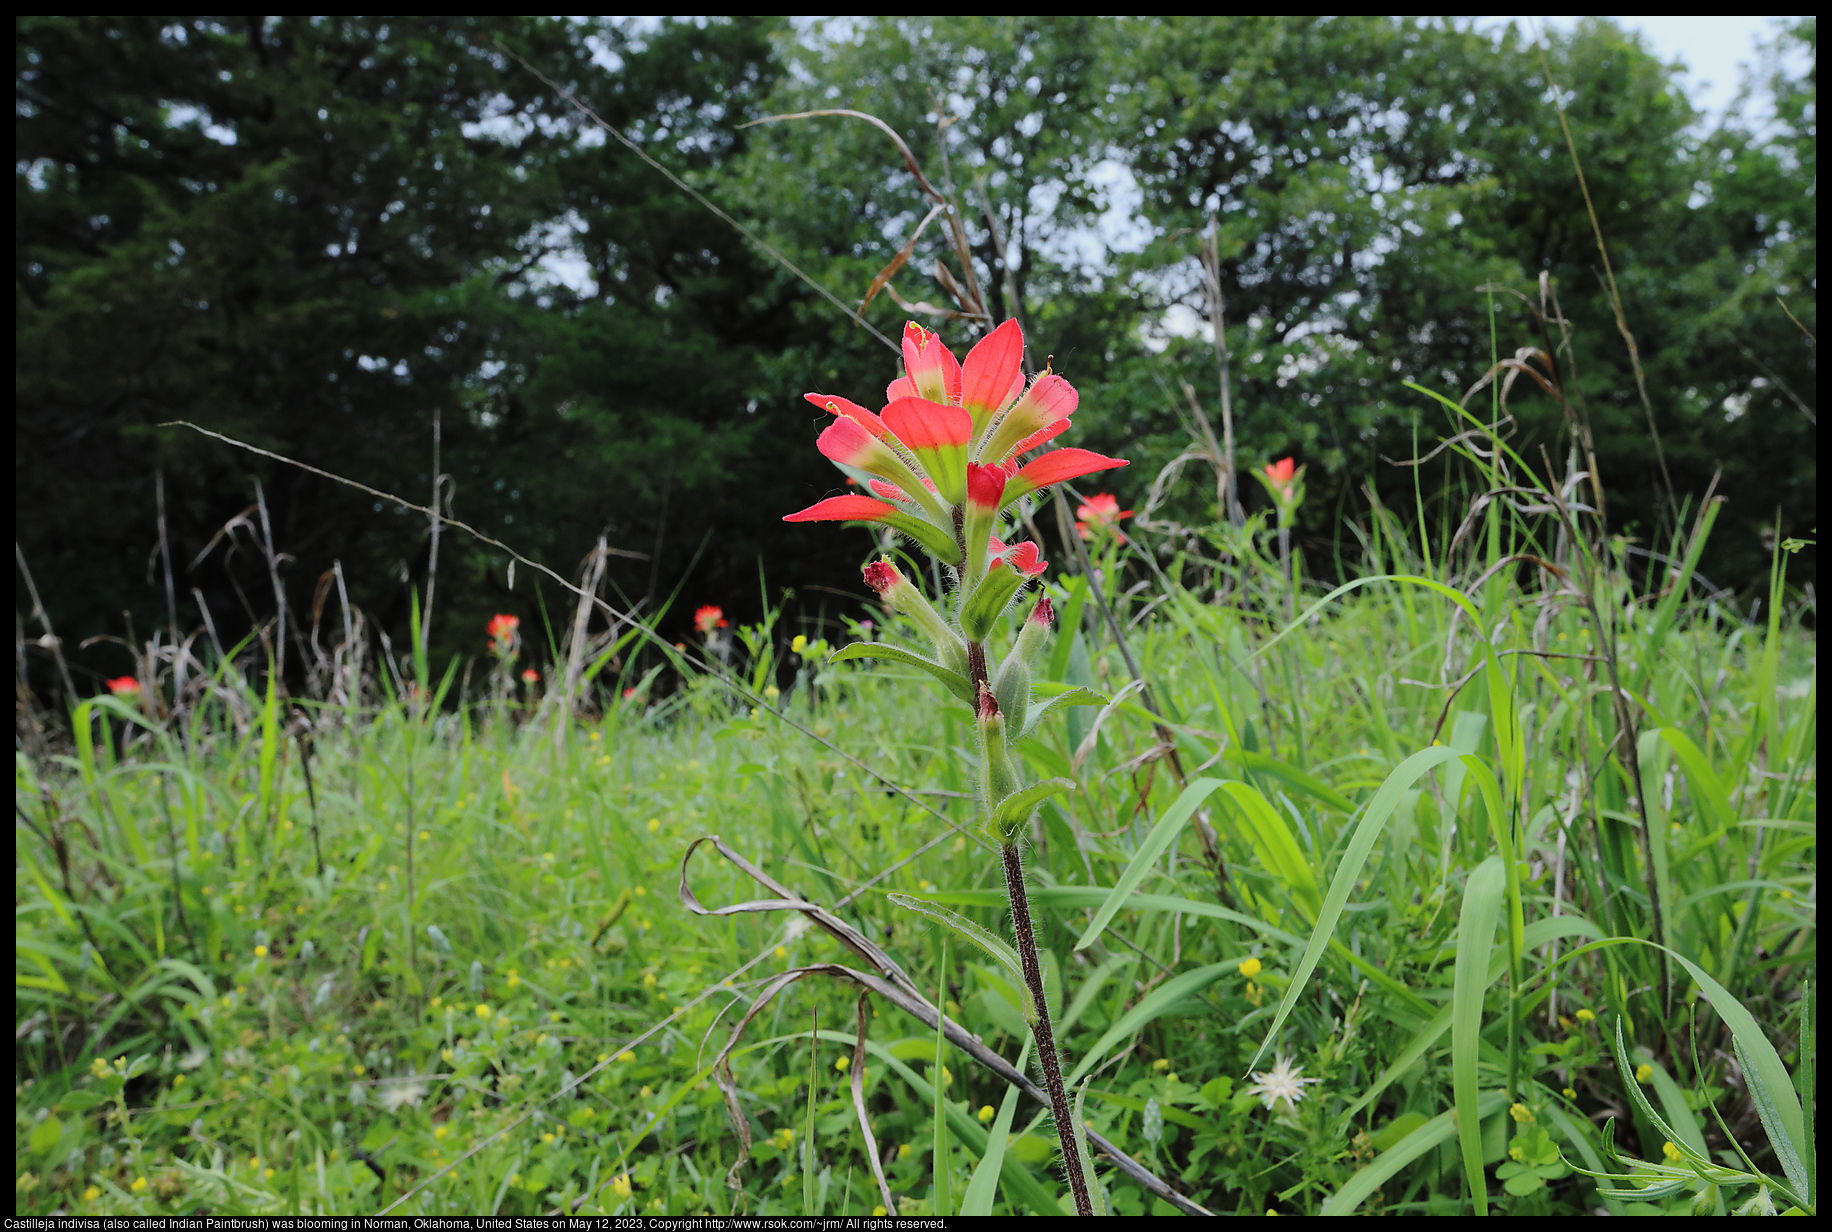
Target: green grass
[(492, 999)]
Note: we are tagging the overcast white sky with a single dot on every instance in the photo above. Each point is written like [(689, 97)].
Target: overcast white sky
[(1713, 48)]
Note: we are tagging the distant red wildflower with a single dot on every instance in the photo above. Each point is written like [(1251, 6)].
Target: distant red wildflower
[(530, 676), (1282, 472), (708, 618), (124, 686), (1100, 512)]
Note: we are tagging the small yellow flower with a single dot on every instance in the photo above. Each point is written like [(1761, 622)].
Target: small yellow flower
[(782, 1138), (1643, 1073), (91, 1194), (603, 1057), (648, 977), (139, 1185), (424, 835), (358, 1070), (1250, 967), (1170, 1077), (947, 1076), (484, 1012), (843, 1064), (1517, 1152), (445, 1054), (1670, 1151), (178, 1081), (986, 1114), (437, 1002), (1521, 1113), (645, 1093), (903, 1152), (515, 977), (1567, 1023), (99, 1067), (548, 1138), (655, 825), (1161, 1064), (781, 953), (1570, 1093), (626, 1056), (556, 1016), (260, 951), (440, 1133), (1585, 1016), (798, 644), (268, 1174), (642, 892), (878, 1211)]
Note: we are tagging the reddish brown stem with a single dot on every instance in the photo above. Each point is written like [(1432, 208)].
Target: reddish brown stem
[(1046, 1038)]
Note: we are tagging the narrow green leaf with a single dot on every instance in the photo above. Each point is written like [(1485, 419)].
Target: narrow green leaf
[(1433, 1133), (1155, 1003), (1482, 898), (995, 947), (1014, 810), (1076, 696), (983, 1186), (1277, 848), (1379, 809), (956, 683), (1162, 837)]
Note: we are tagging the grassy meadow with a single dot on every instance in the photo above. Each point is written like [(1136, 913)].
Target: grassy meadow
[(380, 951)]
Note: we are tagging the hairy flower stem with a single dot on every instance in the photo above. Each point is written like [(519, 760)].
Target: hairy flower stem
[(1046, 1038)]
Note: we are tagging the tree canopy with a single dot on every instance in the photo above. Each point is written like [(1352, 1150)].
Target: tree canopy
[(323, 235)]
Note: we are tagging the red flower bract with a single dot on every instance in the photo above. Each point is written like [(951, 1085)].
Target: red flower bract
[(1281, 472), (124, 686), (708, 618), (501, 628), (946, 453)]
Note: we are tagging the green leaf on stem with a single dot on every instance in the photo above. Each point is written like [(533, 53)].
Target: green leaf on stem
[(995, 948), (956, 683)]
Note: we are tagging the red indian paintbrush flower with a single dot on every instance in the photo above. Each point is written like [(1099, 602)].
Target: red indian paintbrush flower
[(530, 676), (944, 458), (502, 628), (1281, 472), (1100, 512), (124, 686), (708, 618)]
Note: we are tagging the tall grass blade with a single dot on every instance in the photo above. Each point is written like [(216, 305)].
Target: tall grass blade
[(1482, 898), (1380, 808), (1162, 837), (983, 1185)]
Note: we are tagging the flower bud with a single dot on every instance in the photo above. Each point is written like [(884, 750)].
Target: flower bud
[(888, 581), (997, 778)]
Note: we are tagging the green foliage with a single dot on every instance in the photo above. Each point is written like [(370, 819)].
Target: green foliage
[(488, 997), (319, 234)]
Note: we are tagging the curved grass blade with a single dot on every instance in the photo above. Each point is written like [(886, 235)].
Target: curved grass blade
[(1438, 1130), (1538, 933), (1380, 808), (1271, 837), (1015, 809), (1162, 837), (1154, 1004), (994, 946), (983, 1185), (1475, 938), (956, 683)]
